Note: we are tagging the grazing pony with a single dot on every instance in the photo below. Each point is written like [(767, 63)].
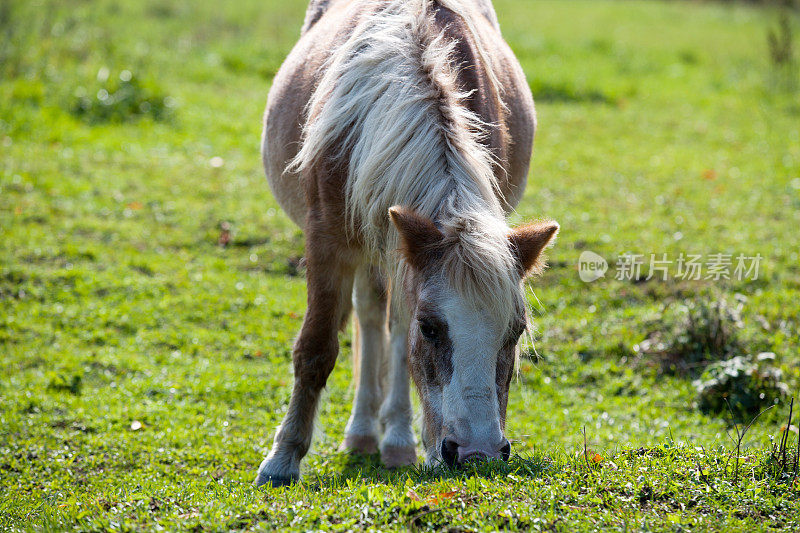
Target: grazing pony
[(398, 135)]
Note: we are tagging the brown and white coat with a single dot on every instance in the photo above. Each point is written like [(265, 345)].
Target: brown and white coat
[(398, 135)]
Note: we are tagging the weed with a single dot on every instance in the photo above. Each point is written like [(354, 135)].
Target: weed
[(71, 385), (743, 384), (545, 91), (782, 463), (780, 41), (693, 334), (121, 99)]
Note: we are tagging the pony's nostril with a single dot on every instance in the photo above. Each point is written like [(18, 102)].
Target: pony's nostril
[(449, 452), (505, 451)]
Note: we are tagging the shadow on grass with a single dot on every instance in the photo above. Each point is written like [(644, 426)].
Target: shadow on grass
[(396, 501), (368, 468)]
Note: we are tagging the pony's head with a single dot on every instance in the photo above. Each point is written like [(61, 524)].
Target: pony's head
[(462, 285)]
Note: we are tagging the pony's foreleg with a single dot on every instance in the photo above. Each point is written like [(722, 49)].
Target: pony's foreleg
[(330, 284), (369, 301), (398, 447)]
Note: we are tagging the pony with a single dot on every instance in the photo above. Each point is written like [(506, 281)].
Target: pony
[(398, 135)]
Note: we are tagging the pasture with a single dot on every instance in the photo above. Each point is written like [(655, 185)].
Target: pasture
[(151, 287)]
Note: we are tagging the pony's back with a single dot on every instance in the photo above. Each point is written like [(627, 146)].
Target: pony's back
[(368, 73)]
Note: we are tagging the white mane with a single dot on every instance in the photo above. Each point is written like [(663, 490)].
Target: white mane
[(388, 107)]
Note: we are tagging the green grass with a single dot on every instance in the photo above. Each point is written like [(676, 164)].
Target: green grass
[(662, 129)]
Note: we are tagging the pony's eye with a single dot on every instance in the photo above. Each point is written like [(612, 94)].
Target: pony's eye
[(428, 330)]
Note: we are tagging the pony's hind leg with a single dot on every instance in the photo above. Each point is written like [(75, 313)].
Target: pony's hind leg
[(398, 447), (330, 284), (369, 350)]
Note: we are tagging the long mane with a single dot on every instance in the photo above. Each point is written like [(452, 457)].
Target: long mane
[(389, 109)]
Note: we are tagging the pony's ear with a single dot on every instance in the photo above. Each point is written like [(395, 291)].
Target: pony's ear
[(527, 243), (419, 236)]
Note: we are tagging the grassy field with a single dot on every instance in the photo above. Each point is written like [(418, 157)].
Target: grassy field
[(150, 287)]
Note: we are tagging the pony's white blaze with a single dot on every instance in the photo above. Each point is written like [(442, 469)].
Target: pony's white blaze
[(432, 453), (471, 411)]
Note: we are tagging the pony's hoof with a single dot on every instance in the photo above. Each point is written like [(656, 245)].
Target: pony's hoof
[(275, 473), (397, 456), (273, 481), (366, 444)]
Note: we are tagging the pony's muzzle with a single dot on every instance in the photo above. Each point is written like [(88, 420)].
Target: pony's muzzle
[(453, 454)]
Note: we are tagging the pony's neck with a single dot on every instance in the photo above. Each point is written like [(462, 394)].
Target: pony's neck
[(389, 106)]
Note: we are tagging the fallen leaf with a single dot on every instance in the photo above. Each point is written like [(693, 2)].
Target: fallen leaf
[(413, 495), (135, 205), (709, 174), (436, 498)]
